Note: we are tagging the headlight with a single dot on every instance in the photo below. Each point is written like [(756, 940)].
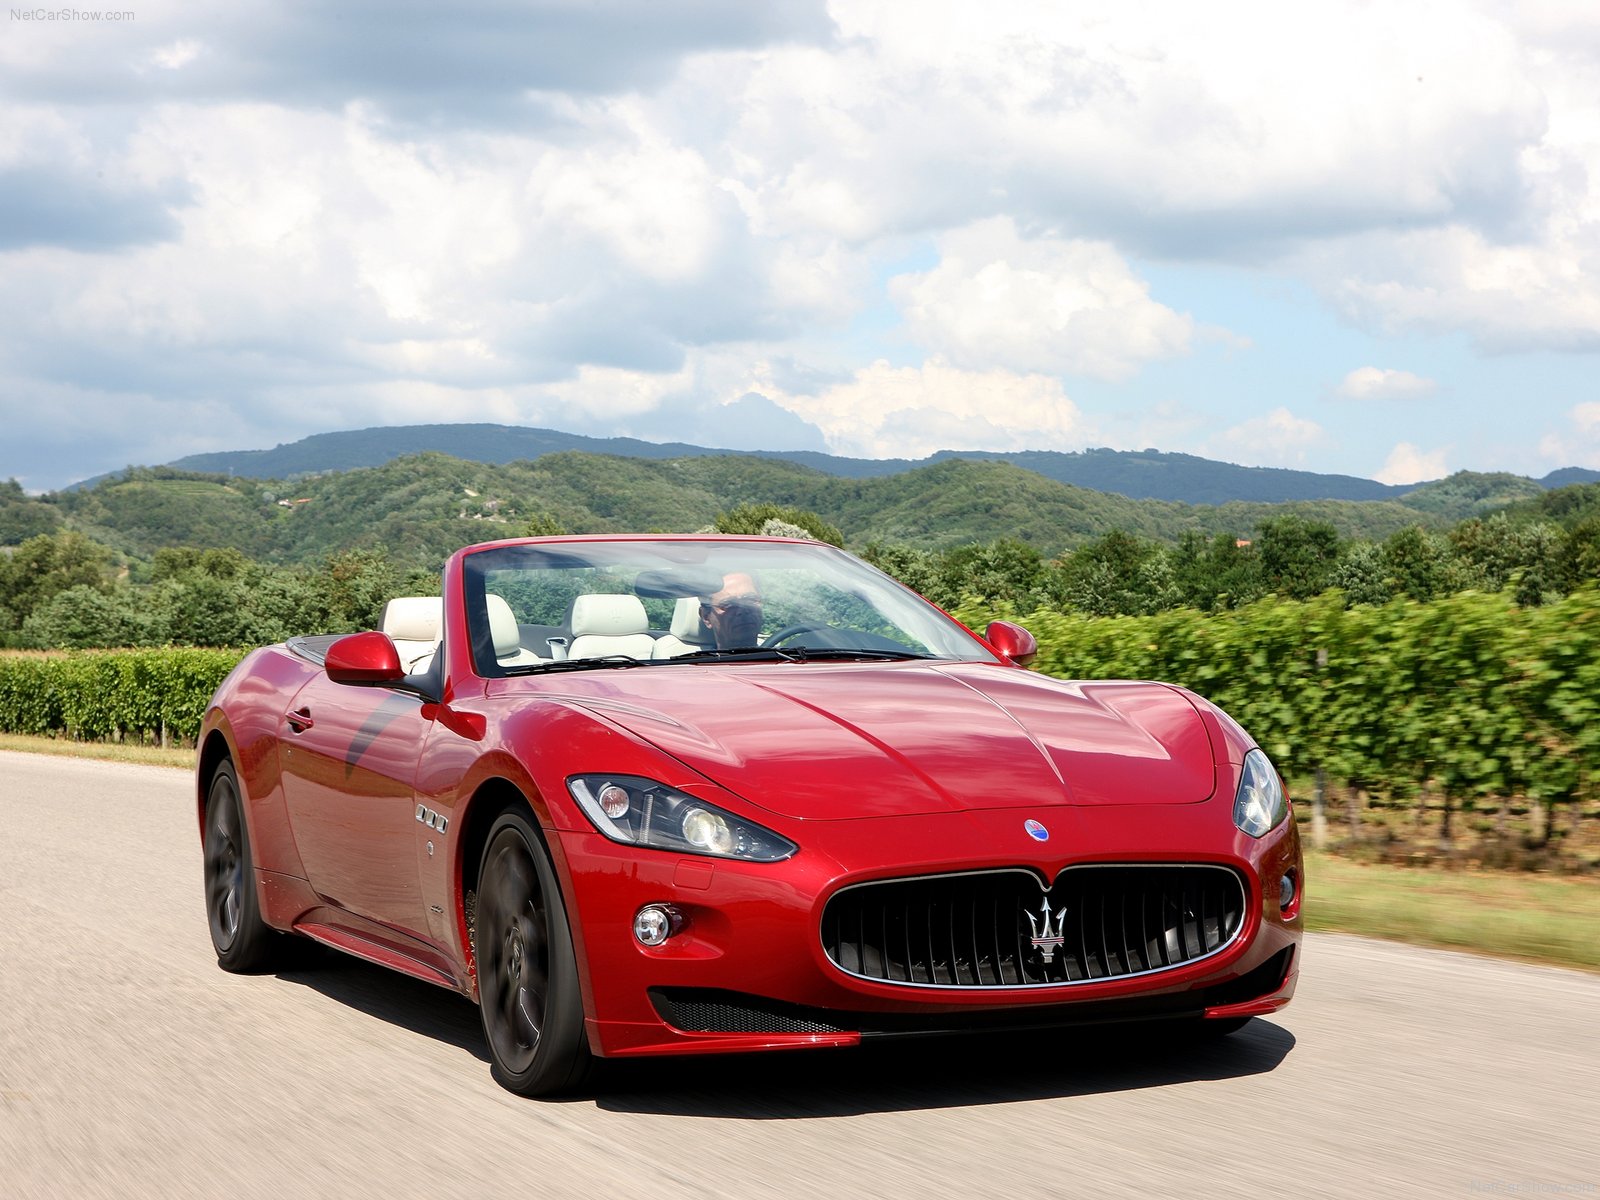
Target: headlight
[(1260, 805), (641, 812)]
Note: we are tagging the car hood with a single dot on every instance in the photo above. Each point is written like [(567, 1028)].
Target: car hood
[(845, 740)]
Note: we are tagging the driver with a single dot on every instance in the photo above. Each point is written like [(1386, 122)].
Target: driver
[(733, 612)]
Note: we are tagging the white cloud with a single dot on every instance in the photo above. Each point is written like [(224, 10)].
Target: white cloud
[(1538, 293), (614, 393), (489, 214), (997, 299), (1173, 124), (1409, 464), (178, 54), (1579, 444), (887, 411), (1380, 383), (1276, 439)]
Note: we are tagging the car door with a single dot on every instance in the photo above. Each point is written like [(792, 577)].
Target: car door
[(349, 758)]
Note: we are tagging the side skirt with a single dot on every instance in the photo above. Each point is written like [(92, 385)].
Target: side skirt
[(385, 949)]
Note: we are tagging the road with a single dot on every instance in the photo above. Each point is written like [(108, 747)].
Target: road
[(130, 1065)]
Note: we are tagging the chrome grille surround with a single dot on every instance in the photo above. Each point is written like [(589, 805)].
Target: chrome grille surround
[(977, 929)]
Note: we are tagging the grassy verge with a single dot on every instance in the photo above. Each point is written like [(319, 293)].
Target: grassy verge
[(110, 751), (1537, 918)]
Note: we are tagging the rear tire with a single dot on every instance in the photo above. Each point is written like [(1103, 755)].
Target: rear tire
[(243, 941), (528, 992)]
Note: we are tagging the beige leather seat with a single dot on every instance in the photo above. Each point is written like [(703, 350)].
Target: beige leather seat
[(606, 624), (508, 648), (413, 625), (688, 632)]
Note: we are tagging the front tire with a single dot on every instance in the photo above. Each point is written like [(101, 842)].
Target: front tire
[(243, 941), (527, 970)]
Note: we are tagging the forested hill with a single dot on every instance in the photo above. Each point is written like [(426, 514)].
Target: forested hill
[(421, 507), (1145, 474)]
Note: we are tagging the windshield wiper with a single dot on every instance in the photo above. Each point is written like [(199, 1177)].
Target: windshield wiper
[(812, 653), (764, 653), (601, 662), (796, 654)]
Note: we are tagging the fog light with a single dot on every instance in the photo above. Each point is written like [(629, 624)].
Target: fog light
[(1286, 892), (655, 923)]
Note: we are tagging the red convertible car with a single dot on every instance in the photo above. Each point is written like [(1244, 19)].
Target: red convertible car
[(679, 795)]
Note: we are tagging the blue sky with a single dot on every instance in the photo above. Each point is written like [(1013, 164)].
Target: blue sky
[(1349, 237)]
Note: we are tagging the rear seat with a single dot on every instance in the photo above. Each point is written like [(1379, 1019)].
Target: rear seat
[(413, 625), (605, 624), (507, 635)]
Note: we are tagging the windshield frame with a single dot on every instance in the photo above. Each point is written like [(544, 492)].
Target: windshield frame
[(938, 637)]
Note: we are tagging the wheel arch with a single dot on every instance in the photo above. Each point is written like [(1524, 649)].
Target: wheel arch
[(491, 797), (213, 750)]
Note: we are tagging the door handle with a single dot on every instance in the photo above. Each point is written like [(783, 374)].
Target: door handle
[(300, 720)]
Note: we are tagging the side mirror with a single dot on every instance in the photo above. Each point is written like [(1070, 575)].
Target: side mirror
[(1012, 642), (364, 658)]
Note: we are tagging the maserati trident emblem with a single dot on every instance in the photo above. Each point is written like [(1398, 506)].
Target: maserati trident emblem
[(1045, 939)]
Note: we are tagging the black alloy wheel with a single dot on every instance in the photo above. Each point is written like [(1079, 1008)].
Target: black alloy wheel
[(242, 940), (527, 970)]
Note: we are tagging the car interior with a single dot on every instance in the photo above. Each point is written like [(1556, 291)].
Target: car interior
[(597, 624)]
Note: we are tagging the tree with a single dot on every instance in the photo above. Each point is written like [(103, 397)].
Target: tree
[(1118, 574), (1297, 556), (920, 570), (87, 616), (1220, 573), (749, 518), (1416, 563), (203, 610), (1360, 574), (23, 517), (542, 524), (1494, 553), (1580, 556), (357, 584), (47, 565)]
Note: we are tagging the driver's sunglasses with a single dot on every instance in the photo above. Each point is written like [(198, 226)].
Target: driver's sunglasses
[(721, 607)]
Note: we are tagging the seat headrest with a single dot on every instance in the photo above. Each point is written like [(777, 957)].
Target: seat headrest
[(686, 623), (596, 615), (413, 618), (503, 626)]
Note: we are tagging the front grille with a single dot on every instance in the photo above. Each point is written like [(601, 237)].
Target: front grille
[(997, 929)]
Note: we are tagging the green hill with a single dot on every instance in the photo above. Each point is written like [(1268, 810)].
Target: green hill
[(1137, 474), (421, 507)]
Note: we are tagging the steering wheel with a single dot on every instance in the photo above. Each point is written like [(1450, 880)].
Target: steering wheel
[(789, 631)]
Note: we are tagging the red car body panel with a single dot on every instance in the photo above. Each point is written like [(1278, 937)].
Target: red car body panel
[(360, 800)]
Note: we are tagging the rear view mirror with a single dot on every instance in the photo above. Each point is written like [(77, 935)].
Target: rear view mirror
[(364, 658), (1012, 642)]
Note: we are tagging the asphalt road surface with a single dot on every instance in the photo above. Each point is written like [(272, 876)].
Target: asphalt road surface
[(130, 1065)]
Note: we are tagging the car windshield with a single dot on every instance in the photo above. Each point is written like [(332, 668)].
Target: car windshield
[(592, 605)]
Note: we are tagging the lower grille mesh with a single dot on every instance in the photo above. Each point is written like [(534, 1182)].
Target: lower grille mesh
[(996, 929), (731, 1012)]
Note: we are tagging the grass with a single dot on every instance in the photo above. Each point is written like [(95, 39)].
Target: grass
[(1536, 918), (154, 756)]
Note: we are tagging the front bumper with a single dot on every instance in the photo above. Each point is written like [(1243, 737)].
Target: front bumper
[(748, 970)]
